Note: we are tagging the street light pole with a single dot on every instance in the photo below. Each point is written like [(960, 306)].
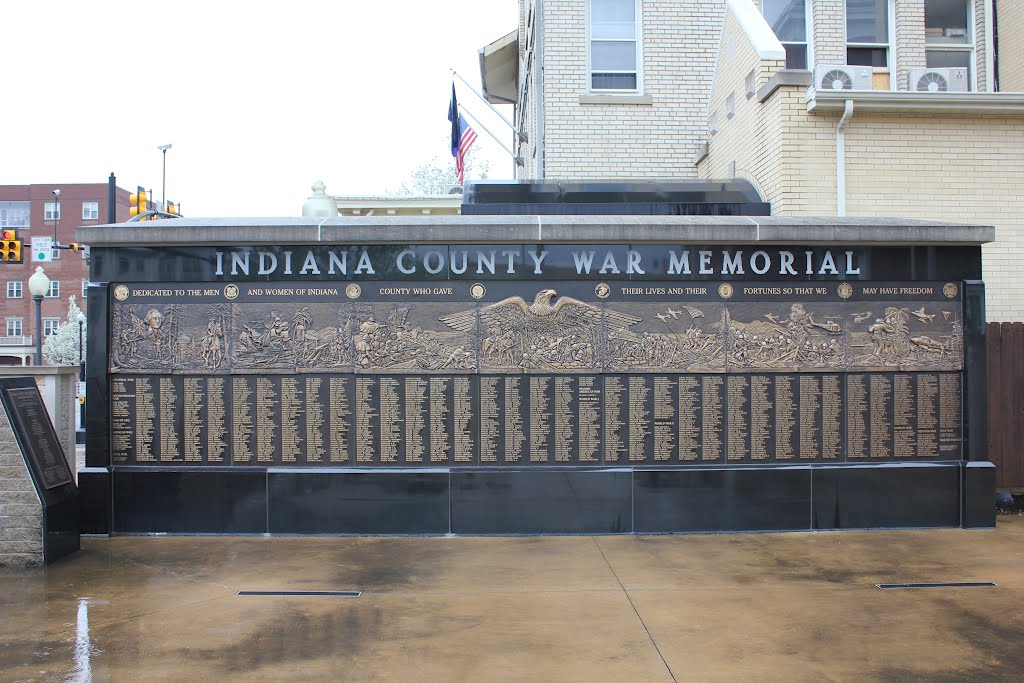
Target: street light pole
[(163, 181), (38, 286), (56, 212)]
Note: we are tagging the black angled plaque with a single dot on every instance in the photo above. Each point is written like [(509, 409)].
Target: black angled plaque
[(37, 438)]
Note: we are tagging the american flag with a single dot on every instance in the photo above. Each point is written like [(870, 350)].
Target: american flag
[(463, 137)]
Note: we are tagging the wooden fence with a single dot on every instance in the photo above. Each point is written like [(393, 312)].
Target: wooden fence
[(1005, 351)]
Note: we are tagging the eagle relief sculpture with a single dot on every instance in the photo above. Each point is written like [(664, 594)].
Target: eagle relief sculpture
[(563, 335)]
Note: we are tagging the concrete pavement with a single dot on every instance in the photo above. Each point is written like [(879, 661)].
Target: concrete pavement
[(799, 606)]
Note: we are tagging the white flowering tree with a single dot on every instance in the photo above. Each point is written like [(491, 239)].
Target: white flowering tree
[(62, 347), (439, 175)]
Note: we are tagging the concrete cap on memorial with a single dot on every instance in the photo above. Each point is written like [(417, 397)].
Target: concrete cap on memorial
[(318, 204)]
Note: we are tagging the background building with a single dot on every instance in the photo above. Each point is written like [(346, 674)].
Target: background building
[(33, 211), (909, 108)]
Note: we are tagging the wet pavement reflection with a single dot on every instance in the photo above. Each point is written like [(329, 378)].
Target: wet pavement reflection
[(798, 606)]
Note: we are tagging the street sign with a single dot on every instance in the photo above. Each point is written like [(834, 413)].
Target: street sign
[(80, 389), (42, 249)]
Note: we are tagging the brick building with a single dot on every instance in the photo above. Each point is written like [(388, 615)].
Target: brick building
[(32, 210), (826, 106)]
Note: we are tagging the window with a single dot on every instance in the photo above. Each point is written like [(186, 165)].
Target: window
[(867, 32), (14, 214), (14, 327), (50, 326), (54, 292), (614, 46), (90, 211), (949, 34), (14, 289), (788, 18), (50, 210)]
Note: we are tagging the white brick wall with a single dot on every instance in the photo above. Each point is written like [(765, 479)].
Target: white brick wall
[(829, 31), (910, 34), (593, 141), (1011, 45)]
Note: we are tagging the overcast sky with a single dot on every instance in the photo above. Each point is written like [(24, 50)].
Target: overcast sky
[(258, 98)]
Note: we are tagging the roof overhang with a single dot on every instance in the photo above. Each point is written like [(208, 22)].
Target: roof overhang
[(499, 69), (962, 103)]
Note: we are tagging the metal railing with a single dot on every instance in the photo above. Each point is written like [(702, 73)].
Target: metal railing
[(16, 340)]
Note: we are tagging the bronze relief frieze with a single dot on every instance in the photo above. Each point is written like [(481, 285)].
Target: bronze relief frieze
[(513, 327)]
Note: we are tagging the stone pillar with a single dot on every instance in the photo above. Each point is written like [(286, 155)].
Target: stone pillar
[(21, 512)]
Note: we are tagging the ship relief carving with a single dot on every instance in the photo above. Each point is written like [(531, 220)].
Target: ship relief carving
[(677, 342), (800, 339)]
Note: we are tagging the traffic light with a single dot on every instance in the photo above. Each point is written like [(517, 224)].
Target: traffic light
[(74, 246), (10, 246), (137, 203), (171, 208)]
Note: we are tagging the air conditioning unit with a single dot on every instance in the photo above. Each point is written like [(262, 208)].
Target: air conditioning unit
[(842, 77), (939, 80)]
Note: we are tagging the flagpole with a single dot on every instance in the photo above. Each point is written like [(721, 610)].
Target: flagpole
[(522, 136), (518, 160)]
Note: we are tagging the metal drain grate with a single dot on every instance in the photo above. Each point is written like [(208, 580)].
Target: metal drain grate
[(304, 594), (952, 584)]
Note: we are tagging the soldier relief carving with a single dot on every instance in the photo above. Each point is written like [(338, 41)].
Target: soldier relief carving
[(545, 332)]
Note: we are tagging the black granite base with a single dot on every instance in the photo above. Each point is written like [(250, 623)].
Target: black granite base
[(722, 500), (355, 502), (189, 501), (979, 495), (60, 527), (95, 495), (886, 496), (541, 501)]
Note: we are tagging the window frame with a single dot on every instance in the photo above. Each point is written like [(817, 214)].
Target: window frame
[(970, 48), (807, 43), (48, 210), (638, 42), (890, 52), (19, 288), (53, 324), (21, 326), (54, 291), (9, 212), (95, 205)]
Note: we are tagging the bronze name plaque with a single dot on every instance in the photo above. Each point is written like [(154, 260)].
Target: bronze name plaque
[(582, 373)]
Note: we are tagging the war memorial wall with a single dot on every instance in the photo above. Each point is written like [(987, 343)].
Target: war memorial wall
[(532, 387)]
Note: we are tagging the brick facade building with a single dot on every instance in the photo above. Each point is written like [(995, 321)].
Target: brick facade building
[(30, 210), (719, 89)]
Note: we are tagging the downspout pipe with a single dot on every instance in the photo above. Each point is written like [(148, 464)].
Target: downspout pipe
[(538, 56), (841, 158)]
